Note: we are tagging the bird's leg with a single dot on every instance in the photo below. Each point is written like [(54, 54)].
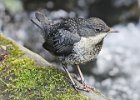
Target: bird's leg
[(84, 87), (82, 80), (81, 74), (73, 83)]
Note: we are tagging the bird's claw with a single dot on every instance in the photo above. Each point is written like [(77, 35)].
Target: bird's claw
[(83, 87), (87, 88)]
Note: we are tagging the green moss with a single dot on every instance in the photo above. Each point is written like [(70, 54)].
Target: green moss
[(21, 78)]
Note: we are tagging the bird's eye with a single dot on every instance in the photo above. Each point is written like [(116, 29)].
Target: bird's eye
[(98, 30)]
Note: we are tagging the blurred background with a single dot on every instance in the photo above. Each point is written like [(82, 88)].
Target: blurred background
[(116, 71)]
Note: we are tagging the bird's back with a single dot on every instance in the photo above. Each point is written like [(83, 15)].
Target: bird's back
[(60, 37)]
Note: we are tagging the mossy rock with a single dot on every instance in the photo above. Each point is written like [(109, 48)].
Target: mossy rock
[(23, 78)]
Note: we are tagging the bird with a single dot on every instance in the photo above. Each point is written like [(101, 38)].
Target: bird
[(73, 41)]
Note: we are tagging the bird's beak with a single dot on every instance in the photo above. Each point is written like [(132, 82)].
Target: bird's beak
[(112, 31)]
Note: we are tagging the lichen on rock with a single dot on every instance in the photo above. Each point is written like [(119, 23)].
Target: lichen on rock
[(21, 78)]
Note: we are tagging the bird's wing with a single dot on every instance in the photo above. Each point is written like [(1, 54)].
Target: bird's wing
[(59, 37), (61, 43)]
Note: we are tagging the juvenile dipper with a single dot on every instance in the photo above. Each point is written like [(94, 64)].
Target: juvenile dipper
[(73, 40)]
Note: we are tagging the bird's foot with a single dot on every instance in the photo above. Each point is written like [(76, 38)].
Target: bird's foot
[(83, 87), (86, 87)]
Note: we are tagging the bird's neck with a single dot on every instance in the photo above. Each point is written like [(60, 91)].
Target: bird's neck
[(98, 38)]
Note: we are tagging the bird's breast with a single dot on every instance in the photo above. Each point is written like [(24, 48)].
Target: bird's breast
[(85, 46), (86, 49), (83, 51)]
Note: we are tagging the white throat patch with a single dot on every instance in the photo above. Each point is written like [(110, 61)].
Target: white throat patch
[(90, 41), (96, 39)]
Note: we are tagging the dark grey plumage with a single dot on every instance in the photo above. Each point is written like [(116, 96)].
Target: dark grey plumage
[(72, 40), (61, 37)]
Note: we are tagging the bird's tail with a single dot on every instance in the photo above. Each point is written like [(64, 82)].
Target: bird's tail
[(42, 22)]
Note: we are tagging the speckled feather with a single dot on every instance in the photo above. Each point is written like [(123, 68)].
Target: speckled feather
[(73, 40)]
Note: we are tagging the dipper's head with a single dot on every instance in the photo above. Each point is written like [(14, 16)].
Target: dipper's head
[(94, 27)]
